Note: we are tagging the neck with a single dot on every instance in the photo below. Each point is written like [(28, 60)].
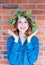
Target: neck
[(21, 34)]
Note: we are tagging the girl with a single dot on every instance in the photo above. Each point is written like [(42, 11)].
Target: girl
[(22, 45)]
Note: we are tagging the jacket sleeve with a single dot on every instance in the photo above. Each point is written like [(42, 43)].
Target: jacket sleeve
[(13, 51), (33, 49), (10, 41)]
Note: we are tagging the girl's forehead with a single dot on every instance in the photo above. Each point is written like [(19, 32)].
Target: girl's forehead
[(22, 19)]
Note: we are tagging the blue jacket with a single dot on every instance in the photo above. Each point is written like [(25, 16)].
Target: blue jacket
[(25, 54)]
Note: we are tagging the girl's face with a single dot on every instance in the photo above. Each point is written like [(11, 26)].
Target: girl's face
[(22, 24)]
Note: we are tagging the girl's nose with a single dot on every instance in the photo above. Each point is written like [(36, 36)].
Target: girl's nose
[(23, 23)]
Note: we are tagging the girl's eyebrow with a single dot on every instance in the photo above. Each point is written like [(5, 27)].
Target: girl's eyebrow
[(19, 21), (26, 21)]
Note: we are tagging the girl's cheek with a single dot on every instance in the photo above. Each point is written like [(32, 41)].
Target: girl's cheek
[(19, 27)]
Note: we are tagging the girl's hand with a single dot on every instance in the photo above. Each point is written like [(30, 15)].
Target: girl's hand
[(11, 33), (15, 36), (29, 38)]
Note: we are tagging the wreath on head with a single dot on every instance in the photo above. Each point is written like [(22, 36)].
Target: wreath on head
[(20, 13)]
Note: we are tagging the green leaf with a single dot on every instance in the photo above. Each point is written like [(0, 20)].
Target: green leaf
[(31, 20), (16, 11), (29, 13), (11, 21), (34, 27), (19, 12)]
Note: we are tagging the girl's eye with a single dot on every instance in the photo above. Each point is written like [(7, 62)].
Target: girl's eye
[(26, 22), (19, 21), (23, 22)]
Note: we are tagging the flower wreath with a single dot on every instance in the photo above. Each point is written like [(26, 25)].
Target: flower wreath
[(20, 13)]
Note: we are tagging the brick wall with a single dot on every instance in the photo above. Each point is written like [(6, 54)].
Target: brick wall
[(7, 8)]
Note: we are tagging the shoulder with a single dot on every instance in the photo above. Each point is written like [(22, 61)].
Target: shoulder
[(34, 38), (10, 38)]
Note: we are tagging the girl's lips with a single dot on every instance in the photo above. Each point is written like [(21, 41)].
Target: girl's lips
[(22, 27)]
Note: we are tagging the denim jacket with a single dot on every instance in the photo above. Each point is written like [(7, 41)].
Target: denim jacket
[(26, 54)]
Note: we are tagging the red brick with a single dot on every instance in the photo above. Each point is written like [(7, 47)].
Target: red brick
[(0, 37), (14, 1), (9, 6), (38, 12), (40, 17), (43, 49), (0, 52), (22, 1), (41, 28), (4, 1), (2, 43), (18, 1), (3, 22), (44, 53), (12, 12), (0, 17), (3, 62), (27, 6), (40, 34), (44, 63), (7, 27), (5, 17), (0, 47), (33, 17), (41, 6), (0, 27), (5, 47), (36, 1), (1, 33), (0, 6), (41, 58), (40, 54), (4, 37), (38, 63), (4, 33), (42, 38), (5, 12), (41, 43), (39, 22)]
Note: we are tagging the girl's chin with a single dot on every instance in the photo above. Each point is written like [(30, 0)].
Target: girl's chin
[(22, 31)]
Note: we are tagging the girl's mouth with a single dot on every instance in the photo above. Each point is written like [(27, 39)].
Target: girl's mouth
[(22, 27)]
